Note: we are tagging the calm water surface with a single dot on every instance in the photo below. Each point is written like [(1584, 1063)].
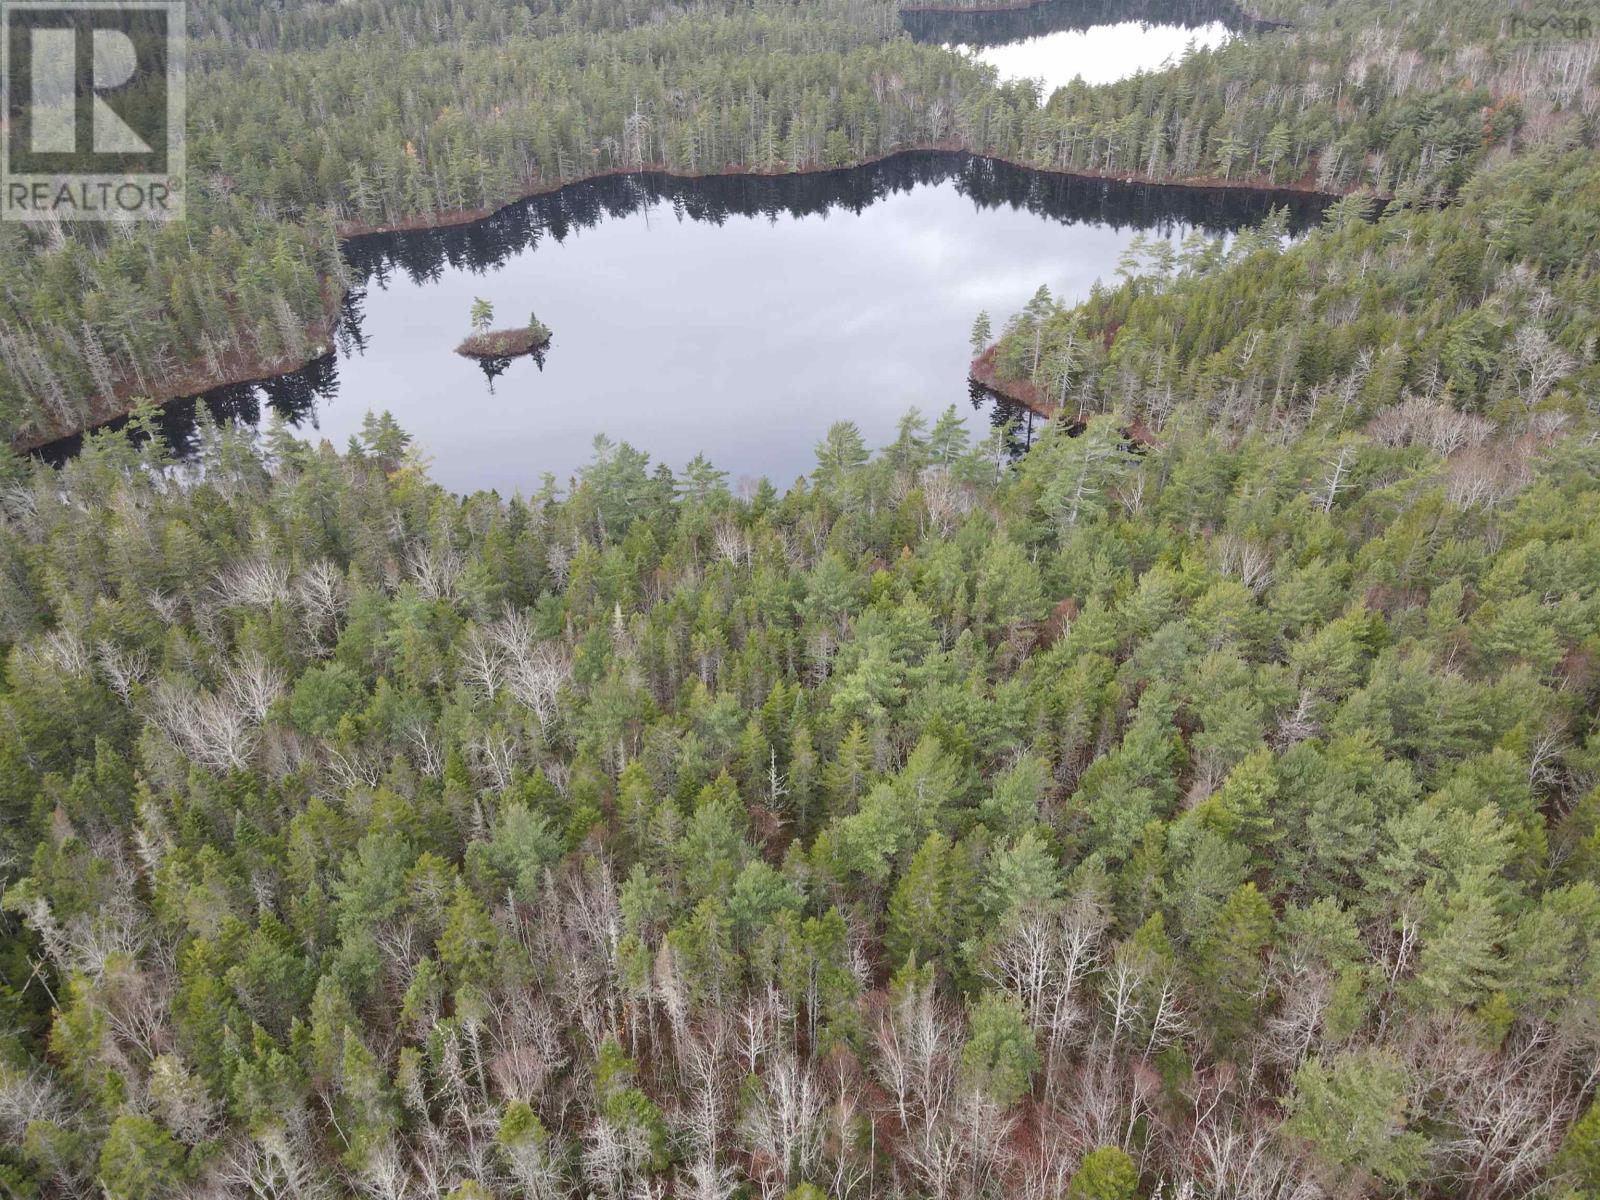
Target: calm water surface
[(1099, 41), (739, 316), (1102, 54)]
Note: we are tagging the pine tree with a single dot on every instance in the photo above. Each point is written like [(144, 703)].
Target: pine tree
[(982, 333)]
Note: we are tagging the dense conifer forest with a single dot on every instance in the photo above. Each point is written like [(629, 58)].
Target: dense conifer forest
[(1203, 803)]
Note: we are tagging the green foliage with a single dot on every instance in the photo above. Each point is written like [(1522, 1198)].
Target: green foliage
[(1354, 1114), (1000, 1056), (1215, 751), (1104, 1174), (140, 1160), (1050, 848), (1579, 1158), (323, 696)]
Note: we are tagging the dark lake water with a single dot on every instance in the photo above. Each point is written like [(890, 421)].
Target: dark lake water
[(738, 316)]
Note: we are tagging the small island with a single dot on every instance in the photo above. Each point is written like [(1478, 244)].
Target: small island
[(486, 343)]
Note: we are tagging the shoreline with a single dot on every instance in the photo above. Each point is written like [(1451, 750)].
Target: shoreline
[(1003, 6), (1015, 6), (193, 384), (1024, 394), (453, 218), (1264, 23), (1020, 392), (504, 343)]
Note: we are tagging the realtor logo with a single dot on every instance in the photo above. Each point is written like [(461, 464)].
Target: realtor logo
[(91, 110)]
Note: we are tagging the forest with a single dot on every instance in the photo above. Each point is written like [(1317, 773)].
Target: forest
[(1484, 309), (1203, 803), (312, 121), (1217, 814)]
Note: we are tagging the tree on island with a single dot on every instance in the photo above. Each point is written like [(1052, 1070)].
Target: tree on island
[(495, 348), (982, 333)]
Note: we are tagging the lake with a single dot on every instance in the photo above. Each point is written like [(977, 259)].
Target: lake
[(738, 316), (1098, 41)]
